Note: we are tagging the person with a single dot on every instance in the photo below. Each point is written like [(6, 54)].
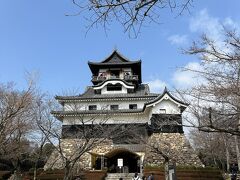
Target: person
[(234, 171), (150, 177), (136, 177)]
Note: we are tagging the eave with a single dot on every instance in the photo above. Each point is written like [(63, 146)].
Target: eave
[(79, 98), (61, 114)]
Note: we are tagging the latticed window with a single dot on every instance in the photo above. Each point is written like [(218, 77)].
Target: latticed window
[(114, 107), (117, 87), (92, 107), (132, 106)]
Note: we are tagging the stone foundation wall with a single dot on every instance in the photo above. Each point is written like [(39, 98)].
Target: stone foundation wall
[(71, 147), (170, 145)]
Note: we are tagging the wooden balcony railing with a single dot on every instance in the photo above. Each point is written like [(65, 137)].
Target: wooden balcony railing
[(131, 77), (98, 78), (103, 78)]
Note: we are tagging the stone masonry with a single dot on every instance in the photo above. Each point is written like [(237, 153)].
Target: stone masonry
[(172, 145)]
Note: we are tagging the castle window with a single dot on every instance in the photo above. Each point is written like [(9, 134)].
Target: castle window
[(114, 107), (92, 107), (162, 111), (117, 87), (132, 106)]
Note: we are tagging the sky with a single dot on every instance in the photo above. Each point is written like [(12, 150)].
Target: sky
[(38, 37)]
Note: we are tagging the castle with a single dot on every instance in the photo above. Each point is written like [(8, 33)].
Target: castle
[(150, 124)]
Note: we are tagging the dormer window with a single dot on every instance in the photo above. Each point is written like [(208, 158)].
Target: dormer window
[(132, 106), (111, 87), (92, 107)]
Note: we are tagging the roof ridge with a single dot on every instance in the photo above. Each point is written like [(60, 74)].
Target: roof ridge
[(115, 51)]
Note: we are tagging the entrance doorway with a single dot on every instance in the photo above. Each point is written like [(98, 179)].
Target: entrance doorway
[(131, 161)]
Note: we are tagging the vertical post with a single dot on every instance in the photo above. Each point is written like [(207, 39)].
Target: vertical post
[(166, 171), (102, 162), (227, 152), (170, 171), (237, 151), (140, 165)]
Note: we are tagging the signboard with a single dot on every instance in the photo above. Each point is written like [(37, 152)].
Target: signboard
[(120, 162), (172, 171)]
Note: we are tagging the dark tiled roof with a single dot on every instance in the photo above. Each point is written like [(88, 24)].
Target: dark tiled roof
[(119, 111), (115, 58), (141, 92)]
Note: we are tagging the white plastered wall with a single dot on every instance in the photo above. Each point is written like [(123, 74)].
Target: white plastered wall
[(108, 119), (167, 104), (123, 104)]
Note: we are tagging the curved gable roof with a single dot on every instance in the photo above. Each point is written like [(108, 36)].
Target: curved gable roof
[(117, 81), (172, 97), (109, 80)]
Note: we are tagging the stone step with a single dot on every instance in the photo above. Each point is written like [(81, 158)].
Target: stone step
[(117, 176)]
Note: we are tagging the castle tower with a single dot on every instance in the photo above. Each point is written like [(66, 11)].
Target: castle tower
[(117, 92)]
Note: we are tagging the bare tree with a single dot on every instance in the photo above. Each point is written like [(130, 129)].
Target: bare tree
[(214, 149), (82, 134), (15, 122), (131, 14), (41, 115), (160, 145), (215, 100)]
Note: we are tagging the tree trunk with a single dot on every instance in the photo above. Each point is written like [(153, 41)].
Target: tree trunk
[(17, 172), (35, 170), (67, 172), (227, 154), (35, 174), (237, 151)]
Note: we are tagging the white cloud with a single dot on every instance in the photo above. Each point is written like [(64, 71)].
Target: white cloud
[(178, 39), (185, 79), (229, 22), (202, 22), (156, 85), (213, 27)]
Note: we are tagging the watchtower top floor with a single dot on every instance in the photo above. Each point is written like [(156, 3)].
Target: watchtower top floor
[(116, 66)]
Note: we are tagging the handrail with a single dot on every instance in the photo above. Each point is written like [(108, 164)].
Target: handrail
[(126, 77)]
